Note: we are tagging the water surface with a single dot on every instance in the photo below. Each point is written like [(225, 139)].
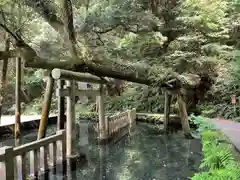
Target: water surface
[(145, 154)]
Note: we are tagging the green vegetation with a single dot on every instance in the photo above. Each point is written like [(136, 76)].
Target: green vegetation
[(154, 40), (219, 162)]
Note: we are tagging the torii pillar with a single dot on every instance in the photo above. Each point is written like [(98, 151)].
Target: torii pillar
[(101, 114)]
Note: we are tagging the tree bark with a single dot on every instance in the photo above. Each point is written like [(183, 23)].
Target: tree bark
[(183, 115), (61, 107), (17, 99), (69, 27), (4, 74), (46, 107), (168, 98)]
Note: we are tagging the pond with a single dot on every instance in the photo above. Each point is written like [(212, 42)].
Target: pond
[(145, 154)]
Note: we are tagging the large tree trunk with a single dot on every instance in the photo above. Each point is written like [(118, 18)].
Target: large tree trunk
[(46, 107), (4, 74)]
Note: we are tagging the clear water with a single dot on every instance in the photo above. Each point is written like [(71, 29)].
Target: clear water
[(145, 154)]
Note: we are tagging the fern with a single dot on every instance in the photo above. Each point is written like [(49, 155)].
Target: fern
[(201, 122), (217, 151)]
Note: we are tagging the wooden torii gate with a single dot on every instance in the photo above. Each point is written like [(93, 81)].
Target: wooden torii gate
[(70, 92)]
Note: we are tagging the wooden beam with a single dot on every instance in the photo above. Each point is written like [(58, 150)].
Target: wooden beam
[(71, 75)]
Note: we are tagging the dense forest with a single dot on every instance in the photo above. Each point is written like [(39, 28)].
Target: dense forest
[(191, 45)]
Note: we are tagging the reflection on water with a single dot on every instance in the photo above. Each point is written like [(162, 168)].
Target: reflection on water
[(143, 155)]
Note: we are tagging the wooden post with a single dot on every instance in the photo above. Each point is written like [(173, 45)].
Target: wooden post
[(4, 74), (34, 162), (107, 125), (101, 113), (61, 145), (17, 99), (61, 107), (70, 124), (46, 107), (183, 115), (168, 98), (8, 163)]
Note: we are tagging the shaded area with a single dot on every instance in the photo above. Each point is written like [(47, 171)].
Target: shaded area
[(144, 154)]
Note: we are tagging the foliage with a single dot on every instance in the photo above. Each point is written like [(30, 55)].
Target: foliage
[(219, 160), (201, 122), (172, 37), (221, 93), (144, 99)]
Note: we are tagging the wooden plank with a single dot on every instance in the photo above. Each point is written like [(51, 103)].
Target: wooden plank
[(22, 159), (8, 163), (10, 120), (54, 153), (36, 145), (34, 162)]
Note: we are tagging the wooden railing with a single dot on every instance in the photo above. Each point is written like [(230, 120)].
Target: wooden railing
[(118, 121), (43, 155)]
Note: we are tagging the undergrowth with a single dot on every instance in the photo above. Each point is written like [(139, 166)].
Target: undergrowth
[(219, 160)]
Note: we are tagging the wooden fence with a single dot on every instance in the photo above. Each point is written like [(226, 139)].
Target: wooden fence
[(118, 121), (43, 155)]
